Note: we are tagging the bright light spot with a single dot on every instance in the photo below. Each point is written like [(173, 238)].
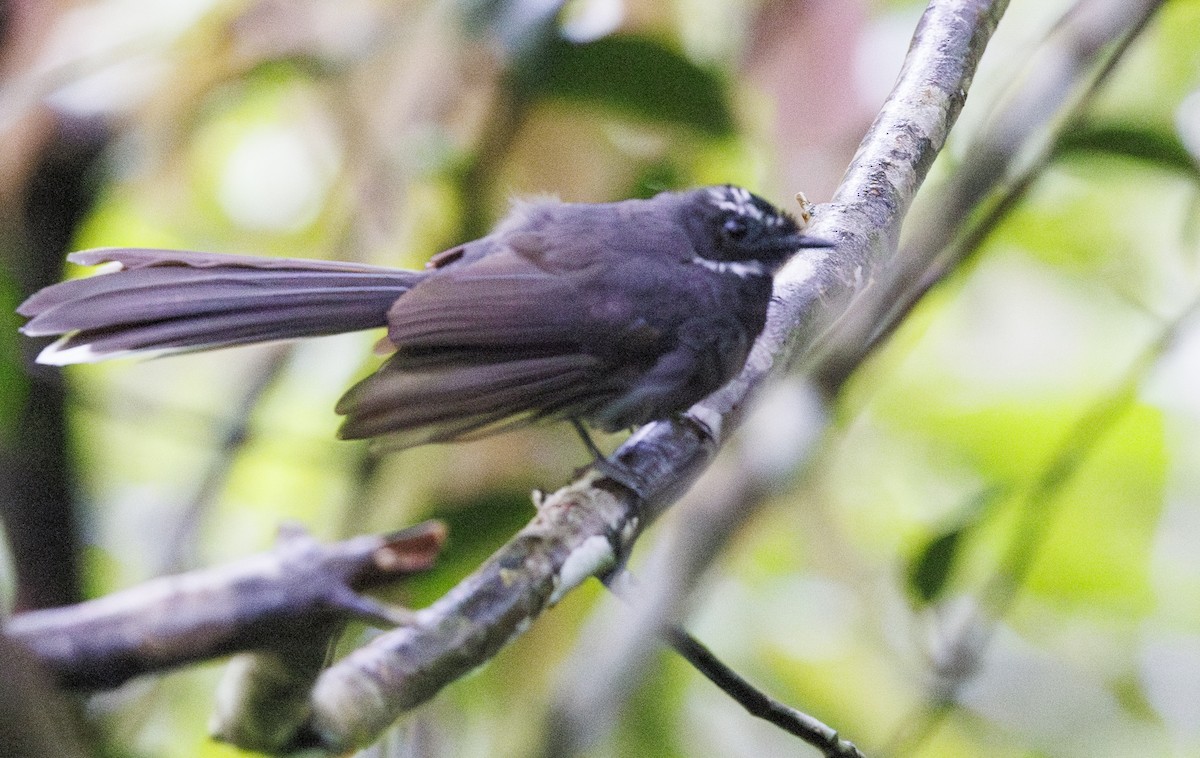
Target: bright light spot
[(109, 57), (588, 20), (275, 180), (1173, 384), (880, 53), (1187, 122)]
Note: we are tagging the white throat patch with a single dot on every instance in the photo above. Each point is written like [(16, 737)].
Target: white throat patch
[(742, 269)]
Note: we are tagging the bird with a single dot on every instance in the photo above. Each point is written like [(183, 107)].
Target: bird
[(606, 315)]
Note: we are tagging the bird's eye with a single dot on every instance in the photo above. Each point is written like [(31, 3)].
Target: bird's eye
[(736, 228)]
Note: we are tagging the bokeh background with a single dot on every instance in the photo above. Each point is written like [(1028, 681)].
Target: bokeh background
[(1035, 421)]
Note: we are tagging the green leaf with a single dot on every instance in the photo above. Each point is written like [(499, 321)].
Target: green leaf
[(934, 565), (637, 76), (1155, 146), (931, 570), (657, 177)]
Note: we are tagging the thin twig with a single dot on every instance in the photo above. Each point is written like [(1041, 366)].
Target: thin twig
[(613, 654), (757, 702), (625, 586)]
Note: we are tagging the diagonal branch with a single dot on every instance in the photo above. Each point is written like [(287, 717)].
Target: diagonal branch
[(1045, 100), (588, 527), (1084, 47)]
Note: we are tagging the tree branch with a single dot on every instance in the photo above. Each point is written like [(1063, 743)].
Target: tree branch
[(265, 601), (585, 529), (1044, 100)]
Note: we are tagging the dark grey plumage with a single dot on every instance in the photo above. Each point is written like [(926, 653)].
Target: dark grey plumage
[(614, 314)]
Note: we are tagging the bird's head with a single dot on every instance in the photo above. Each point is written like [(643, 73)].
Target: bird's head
[(733, 229)]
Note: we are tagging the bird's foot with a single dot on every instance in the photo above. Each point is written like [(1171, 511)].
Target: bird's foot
[(609, 468)]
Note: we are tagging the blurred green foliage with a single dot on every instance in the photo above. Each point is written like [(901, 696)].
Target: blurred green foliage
[(12, 378), (1147, 146), (634, 76), (383, 138)]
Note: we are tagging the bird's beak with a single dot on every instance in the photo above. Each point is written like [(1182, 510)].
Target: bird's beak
[(793, 242), (804, 240)]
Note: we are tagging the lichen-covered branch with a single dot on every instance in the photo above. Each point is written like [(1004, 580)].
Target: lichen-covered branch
[(578, 532), (583, 529)]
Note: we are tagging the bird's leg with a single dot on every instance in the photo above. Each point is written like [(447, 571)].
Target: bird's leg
[(611, 469), (588, 442)]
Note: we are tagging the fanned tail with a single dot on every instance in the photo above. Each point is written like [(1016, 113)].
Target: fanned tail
[(165, 301)]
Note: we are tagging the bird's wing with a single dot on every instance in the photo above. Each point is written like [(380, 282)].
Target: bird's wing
[(447, 401), (504, 340), (505, 300)]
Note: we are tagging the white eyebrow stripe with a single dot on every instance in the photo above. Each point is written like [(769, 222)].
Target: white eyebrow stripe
[(737, 200), (741, 269)]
